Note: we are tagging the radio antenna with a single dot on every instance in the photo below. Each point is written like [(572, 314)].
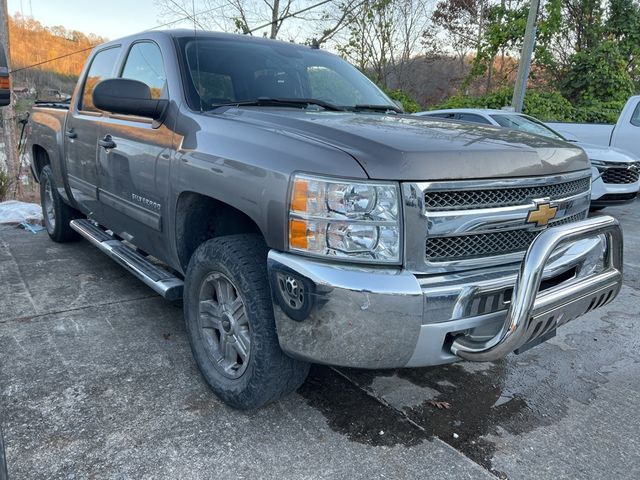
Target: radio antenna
[(195, 37)]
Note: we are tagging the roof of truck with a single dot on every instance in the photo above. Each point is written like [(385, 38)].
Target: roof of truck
[(186, 32)]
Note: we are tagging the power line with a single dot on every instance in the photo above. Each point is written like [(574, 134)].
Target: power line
[(52, 59), (186, 17), (93, 46)]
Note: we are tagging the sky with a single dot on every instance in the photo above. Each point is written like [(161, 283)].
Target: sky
[(110, 19)]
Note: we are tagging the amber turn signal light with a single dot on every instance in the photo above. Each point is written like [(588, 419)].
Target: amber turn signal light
[(298, 233)]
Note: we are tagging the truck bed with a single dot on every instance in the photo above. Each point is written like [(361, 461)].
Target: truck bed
[(596, 133)]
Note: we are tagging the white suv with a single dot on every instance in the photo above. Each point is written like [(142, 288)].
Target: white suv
[(615, 173)]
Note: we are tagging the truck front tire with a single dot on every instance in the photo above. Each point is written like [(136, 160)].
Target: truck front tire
[(55, 213), (230, 324)]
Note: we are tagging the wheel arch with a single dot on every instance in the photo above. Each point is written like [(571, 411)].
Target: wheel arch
[(200, 217), (40, 158)]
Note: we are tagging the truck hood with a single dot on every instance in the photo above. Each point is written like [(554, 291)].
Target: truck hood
[(402, 147)]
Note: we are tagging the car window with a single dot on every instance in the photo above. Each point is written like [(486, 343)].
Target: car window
[(144, 63), (441, 115), (220, 71), (527, 124), (102, 67), (328, 85), (635, 117), (472, 117)]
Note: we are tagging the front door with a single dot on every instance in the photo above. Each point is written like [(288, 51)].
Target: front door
[(134, 159), (81, 135)]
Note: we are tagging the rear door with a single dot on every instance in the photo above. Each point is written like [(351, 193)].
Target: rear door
[(134, 172), (81, 133)]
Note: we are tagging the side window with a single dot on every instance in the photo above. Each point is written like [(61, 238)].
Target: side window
[(442, 115), (102, 67), (635, 117), (470, 117), (144, 63)]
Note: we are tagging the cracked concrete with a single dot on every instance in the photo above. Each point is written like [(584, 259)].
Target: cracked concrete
[(97, 381)]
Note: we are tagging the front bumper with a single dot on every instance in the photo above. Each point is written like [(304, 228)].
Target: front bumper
[(368, 317), (611, 194)]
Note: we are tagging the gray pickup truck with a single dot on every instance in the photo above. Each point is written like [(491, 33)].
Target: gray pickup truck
[(303, 218)]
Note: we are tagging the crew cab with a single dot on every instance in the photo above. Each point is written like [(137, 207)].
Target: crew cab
[(303, 218), (615, 174)]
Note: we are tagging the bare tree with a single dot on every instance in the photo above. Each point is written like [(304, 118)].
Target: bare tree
[(314, 21), (384, 37)]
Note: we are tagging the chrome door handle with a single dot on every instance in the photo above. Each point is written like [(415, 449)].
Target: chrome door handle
[(70, 133), (107, 142)]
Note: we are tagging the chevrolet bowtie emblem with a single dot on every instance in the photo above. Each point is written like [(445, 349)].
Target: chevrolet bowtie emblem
[(542, 214)]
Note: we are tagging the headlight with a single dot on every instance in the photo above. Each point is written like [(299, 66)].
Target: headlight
[(350, 220)]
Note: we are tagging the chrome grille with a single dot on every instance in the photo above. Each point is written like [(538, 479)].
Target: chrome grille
[(464, 247), (502, 197), (619, 175)]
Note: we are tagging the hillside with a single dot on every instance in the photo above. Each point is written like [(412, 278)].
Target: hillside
[(32, 42)]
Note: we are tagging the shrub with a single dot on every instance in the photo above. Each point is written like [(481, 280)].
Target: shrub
[(408, 103), (599, 75), (546, 105)]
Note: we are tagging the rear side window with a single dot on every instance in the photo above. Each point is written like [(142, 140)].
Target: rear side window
[(441, 115), (470, 117), (144, 63), (102, 67), (635, 117)]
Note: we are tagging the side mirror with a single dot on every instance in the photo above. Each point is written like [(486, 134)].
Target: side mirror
[(128, 97), (5, 80)]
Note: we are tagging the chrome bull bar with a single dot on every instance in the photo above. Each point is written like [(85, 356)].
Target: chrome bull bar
[(531, 314)]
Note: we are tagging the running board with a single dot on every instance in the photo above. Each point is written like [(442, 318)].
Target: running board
[(155, 277)]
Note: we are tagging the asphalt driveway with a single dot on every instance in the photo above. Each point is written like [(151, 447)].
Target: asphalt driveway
[(97, 381)]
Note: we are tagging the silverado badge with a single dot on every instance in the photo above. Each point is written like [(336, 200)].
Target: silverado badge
[(542, 214)]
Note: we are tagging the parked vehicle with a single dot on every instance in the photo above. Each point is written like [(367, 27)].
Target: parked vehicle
[(615, 174), (624, 134), (303, 218), (5, 79)]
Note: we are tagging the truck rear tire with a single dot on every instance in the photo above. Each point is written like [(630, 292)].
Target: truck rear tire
[(230, 325), (55, 212)]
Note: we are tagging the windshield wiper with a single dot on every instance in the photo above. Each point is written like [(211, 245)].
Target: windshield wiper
[(375, 108), (281, 102)]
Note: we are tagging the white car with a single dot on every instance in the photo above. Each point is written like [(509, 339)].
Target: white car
[(615, 173)]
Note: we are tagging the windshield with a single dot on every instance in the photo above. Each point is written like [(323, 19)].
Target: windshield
[(526, 124), (225, 71)]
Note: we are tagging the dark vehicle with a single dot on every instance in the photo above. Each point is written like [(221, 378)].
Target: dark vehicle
[(303, 218)]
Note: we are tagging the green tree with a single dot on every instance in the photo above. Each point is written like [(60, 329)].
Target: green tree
[(623, 25), (598, 74)]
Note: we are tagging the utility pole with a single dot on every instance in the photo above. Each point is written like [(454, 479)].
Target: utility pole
[(525, 57), (9, 127)]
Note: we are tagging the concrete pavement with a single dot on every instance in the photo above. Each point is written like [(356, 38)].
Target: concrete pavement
[(97, 381)]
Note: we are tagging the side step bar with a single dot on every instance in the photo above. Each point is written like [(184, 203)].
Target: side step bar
[(161, 281)]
